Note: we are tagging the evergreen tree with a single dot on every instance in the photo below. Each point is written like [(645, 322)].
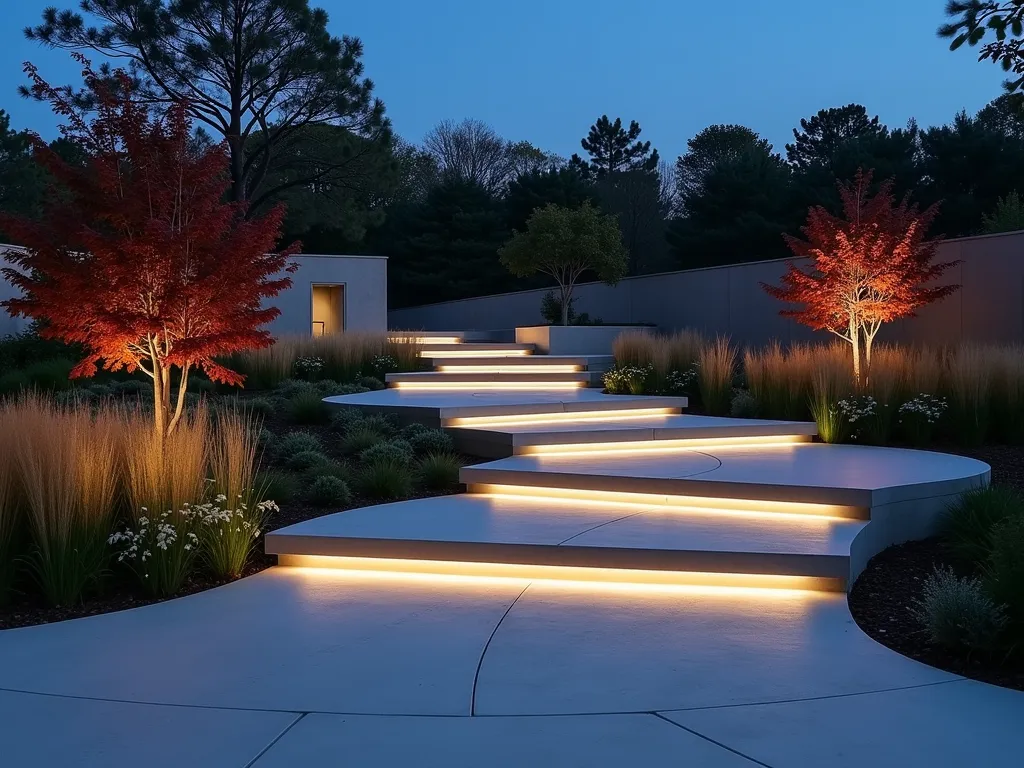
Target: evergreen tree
[(253, 72), (1005, 116), (564, 187), (1007, 217), (820, 140), (22, 181), (708, 149), (613, 148)]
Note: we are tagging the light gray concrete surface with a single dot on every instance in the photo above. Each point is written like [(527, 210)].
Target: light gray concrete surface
[(961, 724), (54, 731), (387, 671)]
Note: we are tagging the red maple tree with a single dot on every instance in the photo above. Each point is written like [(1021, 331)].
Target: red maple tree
[(870, 266), (138, 257)]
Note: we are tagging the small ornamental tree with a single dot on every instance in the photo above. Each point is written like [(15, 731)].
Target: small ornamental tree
[(564, 243), (138, 258), (870, 266)]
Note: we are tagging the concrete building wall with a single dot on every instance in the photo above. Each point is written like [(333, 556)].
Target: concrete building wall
[(989, 306), (365, 279)]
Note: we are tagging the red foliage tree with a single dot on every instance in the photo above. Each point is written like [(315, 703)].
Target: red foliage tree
[(138, 257), (870, 266)]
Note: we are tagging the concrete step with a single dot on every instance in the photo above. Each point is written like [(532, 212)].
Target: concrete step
[(545, 538), (803, 478), (655, 432), (492, 380), (592, 363), (474, 349)]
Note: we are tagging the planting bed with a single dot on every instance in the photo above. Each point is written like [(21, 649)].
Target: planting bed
[(881, 603)]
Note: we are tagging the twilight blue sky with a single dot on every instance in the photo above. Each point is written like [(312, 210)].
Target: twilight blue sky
[(544, 70)]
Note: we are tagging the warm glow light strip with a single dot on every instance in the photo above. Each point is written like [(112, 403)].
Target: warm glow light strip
[(710, 503), (630, 448), (499, 368), (469, 352), (527, 419), (477, 386), (694, 582), (427, 339)]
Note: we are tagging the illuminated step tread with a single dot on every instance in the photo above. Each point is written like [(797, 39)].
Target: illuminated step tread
[(495, 529), (432, 349), (537, 377), (858, 477), (592, 362)]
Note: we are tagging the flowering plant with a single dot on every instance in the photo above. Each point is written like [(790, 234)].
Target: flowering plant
[(228, 535), (308, 368), (160, 549), (383, 365), (859, 413), (682, 381), (918, 417), (628, 378)]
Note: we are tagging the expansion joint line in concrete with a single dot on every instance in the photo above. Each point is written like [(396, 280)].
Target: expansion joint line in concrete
[(480, 661), (276, 739), (711, 741), (601, 525)]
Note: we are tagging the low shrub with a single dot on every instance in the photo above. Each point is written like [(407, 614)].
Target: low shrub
[(628, 379), (162, 550), (308, 368), (348, 389), (277, 485), (297, 442), (370, 382), (970, 522), (50, 375), (432, 441), (862, 414), (302, 461), (918, 418), (101, 390), (330, 467), (131, 388), (228, 533), (329, 491), (385, 480), (258, 406), (439, 471), (397, 450), (13, 382), (384, 425), (359, 439), (308, 408), (1004, 571), (289, 388), (958, 614), (743, 405), (345, 419)]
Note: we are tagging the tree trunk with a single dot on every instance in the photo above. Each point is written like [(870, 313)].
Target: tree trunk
[(566, 297), (160, 397), (179, 408), (855, 343)]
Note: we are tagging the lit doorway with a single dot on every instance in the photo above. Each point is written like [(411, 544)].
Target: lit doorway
[(328, 302)]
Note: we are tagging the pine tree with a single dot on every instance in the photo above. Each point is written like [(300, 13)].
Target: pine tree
[(613, 148)]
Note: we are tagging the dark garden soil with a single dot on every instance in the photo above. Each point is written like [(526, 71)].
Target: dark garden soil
[(881, 603)]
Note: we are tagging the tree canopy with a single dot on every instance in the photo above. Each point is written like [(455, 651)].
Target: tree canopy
[(566, 243), (255, 72), (613, 148)]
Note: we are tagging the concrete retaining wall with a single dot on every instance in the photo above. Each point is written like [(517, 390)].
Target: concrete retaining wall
[(989, 306)]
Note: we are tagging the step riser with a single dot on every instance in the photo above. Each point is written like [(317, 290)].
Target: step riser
[(523, 564), (546, 377), (539, 417), (727, 504), (653, 446), (510, 386)]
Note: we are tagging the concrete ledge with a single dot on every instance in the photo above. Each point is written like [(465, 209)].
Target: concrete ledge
[(572, 339), (537, 377)]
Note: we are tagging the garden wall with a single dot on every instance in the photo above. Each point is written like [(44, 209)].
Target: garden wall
[(989, 307)]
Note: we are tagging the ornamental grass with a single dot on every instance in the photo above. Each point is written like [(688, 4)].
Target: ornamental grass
[(716, 368), (339, 356)]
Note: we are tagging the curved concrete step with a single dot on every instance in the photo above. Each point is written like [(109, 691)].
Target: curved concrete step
[(656, 432), (852, 479), (593, 362), (489, 534), (437, 349), (540, 378)]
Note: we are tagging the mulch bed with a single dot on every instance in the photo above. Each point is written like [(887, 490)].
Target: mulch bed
[(881, 599)]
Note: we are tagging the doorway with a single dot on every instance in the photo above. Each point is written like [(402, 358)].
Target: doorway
[(328, 309)]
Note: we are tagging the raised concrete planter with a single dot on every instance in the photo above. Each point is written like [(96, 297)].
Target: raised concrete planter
[(572, 339)]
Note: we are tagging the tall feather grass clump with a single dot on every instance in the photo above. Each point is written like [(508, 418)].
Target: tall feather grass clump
[(69, 462), (10, 504), (715, 372), (1008, 394), (824, 405), (635, 348), (969, 369), (230, 533)]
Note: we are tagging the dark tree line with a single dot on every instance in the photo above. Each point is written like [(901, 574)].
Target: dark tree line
[(303, 126)]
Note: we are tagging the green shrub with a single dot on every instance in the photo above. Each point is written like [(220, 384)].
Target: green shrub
[(258, 406), (264, 439), (329, 491), (384, 425), (970, 522), (303, 460), (50, 374), (329, 467), (201, 386), (308, 408), (1004, 572), (628, 379), (397, 450), (743, 405), (956, 613), (439, 471), (411, 430), (297, 442), (385, 480), (432, 441), (359, 439), (100, 390), (13, 382), (370, 382), (327, 387), (350, 389), (289, 388), (279, 486), (131, 387), (344, 419)]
